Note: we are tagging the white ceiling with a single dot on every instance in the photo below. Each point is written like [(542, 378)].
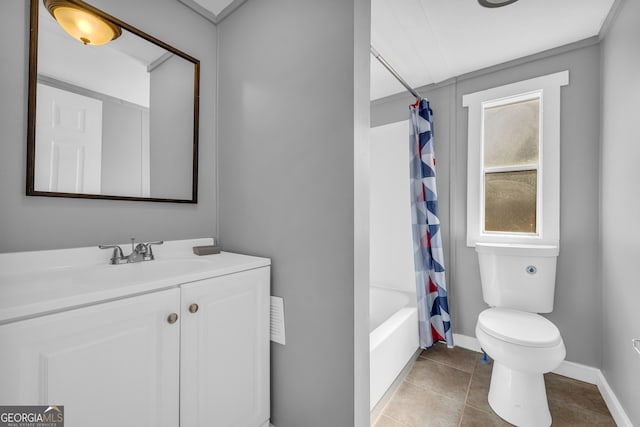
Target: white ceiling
[(428, 41), (215, 6), (213, 10)]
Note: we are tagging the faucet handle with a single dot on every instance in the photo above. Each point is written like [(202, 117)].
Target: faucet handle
[(117, 255), (149, 254), (140, 248)]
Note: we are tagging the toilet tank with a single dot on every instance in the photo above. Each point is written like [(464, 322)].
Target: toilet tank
[(522, 277)]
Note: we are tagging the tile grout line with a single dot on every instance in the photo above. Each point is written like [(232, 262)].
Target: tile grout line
[(475, 367), (445, 364), (433, 390), (464, 403), (466, 396), (404, 373), (384, 408)]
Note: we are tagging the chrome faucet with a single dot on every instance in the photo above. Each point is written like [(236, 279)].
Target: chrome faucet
[(140, 252)]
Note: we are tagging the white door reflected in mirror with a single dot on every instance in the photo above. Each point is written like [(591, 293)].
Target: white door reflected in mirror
[(68, 142)]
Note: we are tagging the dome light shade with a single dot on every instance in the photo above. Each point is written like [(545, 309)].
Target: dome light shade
[(495, 3), (81, 24)]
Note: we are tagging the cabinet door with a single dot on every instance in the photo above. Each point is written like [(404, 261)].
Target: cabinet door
[(112, 364), (224, 365)]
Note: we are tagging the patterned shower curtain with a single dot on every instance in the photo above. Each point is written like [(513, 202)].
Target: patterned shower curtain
[(431, 288)]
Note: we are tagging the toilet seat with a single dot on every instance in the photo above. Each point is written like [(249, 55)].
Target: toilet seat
[(519, 327)]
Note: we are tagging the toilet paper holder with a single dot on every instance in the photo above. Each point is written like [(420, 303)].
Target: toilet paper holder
[(636, 344)]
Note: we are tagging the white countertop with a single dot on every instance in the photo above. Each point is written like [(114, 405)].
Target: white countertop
[(35, 283)]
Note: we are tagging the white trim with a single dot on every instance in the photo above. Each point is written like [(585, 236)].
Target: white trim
[(464, 341), (201, 10), (617, 411), (208, 14), (609, 20), (576, 371), (514, 168), (511, 99), (548, 215)]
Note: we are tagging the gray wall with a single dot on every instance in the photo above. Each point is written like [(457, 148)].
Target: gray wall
[(620, 207), (286, 142), (171, 124), (31, 223), (577, 311), (125, 131)]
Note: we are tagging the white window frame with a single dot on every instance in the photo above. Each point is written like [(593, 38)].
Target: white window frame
[(547, 88)]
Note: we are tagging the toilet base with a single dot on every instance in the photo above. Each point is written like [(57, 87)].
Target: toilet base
[(519, 397)]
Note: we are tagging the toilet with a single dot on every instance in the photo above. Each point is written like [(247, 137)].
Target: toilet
[(518, 281)]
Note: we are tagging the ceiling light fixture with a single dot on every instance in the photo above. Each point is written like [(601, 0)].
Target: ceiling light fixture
[(81, 24), (495, 3)]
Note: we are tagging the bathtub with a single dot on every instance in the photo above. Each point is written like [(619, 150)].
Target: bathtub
[(393, 337)]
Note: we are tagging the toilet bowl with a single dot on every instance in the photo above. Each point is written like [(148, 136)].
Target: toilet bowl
[(518, 282), (523, 347)]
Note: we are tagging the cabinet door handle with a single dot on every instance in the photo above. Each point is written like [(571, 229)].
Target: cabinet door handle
[(193, 308), (172, 318)]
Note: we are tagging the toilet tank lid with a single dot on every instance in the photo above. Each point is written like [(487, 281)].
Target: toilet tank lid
[(518, 249), (519, 327)]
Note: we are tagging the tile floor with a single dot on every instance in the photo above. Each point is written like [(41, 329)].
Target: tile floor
[(449, 387)]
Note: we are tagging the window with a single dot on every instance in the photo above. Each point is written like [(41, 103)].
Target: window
[(513, 165), (511, 148)]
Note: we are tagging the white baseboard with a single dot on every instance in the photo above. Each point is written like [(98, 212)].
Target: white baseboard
[(617, 411), (577, 371), (464, 341)]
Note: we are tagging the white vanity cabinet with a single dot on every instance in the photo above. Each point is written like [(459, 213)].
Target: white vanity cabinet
[(224, 365), (129, 362), (111, 364)]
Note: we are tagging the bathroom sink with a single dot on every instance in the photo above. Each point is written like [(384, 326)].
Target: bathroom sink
[(159, 268), (77, 283), (116, 275), (69, 285)]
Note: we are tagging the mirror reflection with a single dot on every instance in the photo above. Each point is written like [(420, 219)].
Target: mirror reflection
[(112, 121)]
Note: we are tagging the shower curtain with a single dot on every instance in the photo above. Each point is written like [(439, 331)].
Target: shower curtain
[(431, 288)]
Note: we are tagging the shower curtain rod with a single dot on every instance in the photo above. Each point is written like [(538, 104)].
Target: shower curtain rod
[(395, 74)]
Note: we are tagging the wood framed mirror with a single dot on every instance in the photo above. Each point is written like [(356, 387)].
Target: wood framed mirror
[(116, 121)]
